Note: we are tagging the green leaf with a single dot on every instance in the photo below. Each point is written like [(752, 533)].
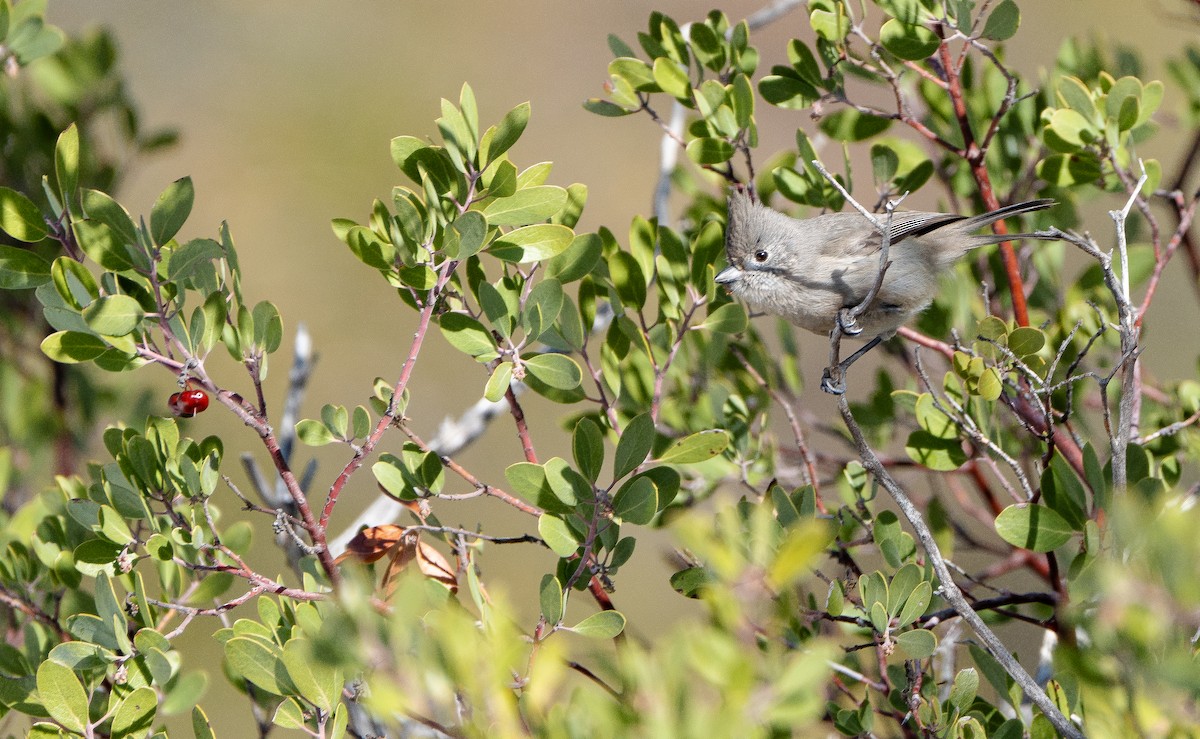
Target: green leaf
[(605, 108), (507, 132), (390, 474), (578, 260), (602, 625), (529, 482), (637, 501), (1076, 95), (557, 535), (672, 78), (708, 150), (788, 92), (696, 447), (556, 370), (1032, 526), (933, 420), (531, 205), (532, 243), (906, 11), (917, 643), (135, 713), (628, 278), (1003, 22), (186, 260), (635, 443), (884, 163), (471, 228), (942, 455), (498, 382), (990, 386), (1026, 341), (729, 318), (830, 25), (268, 326), (70, 347), (315, 678), (1064, 171), (200, 726), (21, 268), (850, 125), (63, 696), (113, 315), (567, 485), (909, 42), (542, 307), (171, 210), (550, 597), (1070, 131), (636, 72), (66, 163), (587, 447), (467, 335), (251, 658), (916, 604), (289, 715), (20, 218), (313, 433), (966, 685)]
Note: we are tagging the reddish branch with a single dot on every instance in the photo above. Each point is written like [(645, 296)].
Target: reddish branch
[(401, 385), (976, 156), (518, 415)]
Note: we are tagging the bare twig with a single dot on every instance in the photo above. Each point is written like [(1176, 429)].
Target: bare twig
[(949, 589)]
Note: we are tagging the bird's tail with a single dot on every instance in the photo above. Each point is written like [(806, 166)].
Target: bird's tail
[(977, 222)]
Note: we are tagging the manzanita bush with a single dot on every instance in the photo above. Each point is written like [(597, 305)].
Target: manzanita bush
[(1021, 416)]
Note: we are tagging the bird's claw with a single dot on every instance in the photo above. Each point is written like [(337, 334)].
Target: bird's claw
[(829, 385), (848, 324)]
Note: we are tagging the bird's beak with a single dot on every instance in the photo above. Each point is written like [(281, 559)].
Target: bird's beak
[(728, 275)]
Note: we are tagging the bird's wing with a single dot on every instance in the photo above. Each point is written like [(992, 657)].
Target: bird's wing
[(906, 224)]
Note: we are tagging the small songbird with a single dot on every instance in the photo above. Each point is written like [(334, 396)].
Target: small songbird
[(812, 271)]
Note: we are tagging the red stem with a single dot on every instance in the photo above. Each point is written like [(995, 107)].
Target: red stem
[(976, 156), (397, 392)]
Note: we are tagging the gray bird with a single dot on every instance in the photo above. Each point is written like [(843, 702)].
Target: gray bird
[(812, 271)]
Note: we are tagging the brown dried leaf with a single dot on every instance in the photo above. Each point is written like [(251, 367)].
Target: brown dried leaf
[(372, 543), (430, 563), (436, 567)]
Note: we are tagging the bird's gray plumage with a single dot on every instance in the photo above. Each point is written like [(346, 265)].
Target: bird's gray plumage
[(807, 270)]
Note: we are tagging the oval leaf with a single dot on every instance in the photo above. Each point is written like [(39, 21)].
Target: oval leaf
[(113, 315), (467, 335), (171, 210), (602, 625), (696, 447), (918, 643), (557, 535), (635, 443), (532, 243), (20, 218), (62, 696), (556, 370), (637, 501), (1033, 527), (531, 205)]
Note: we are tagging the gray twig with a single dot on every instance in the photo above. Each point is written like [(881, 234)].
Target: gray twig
[(949, 589)]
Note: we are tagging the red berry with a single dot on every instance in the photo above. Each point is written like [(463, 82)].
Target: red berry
[(188, 403)]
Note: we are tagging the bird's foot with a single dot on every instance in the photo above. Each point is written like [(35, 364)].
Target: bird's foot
[(831, 386), (847, 322)]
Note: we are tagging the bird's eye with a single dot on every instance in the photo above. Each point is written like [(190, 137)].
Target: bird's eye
[(760, 256)]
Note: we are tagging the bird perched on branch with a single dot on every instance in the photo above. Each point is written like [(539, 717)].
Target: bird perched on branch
[(815, 272)]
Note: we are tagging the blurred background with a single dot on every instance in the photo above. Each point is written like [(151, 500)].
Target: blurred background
[(285, 112)]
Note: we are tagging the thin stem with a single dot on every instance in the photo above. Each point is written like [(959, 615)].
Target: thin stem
[(949, 589)]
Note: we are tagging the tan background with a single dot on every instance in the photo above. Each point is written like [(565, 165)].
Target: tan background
[(286, 110)]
